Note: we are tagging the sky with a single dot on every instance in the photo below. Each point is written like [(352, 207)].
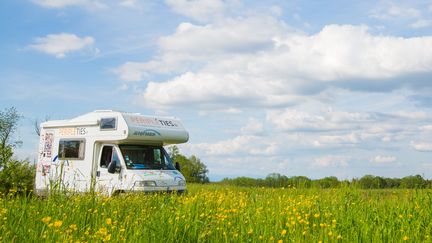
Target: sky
[(312, 88)]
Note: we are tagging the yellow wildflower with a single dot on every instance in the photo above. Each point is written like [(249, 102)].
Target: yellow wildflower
[(108, 221), (283, 232), (107, 238), (405, 238), (46, 219), (58, 223)]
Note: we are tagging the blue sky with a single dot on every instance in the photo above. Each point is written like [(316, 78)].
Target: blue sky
[(328, 88)]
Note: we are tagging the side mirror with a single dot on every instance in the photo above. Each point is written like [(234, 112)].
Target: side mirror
[(112, 167), (177, 166)]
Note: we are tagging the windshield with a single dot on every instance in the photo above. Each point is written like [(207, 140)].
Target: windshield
[(143, 157)]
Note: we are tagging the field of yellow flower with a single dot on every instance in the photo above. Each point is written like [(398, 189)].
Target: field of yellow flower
[(215, 213)]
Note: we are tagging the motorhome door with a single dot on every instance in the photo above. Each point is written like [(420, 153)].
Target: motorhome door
[(105, 181)]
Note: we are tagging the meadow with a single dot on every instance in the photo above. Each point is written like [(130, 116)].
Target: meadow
[(216, 213)]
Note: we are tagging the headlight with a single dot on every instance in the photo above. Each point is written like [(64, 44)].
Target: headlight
[(145, 183), (182, 183)]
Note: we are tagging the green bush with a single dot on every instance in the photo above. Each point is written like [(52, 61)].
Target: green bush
[(17, 176)]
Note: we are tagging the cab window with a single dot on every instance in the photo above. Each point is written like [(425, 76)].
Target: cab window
[(109, 154)]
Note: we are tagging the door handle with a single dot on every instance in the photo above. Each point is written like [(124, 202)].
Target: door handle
[(97, 173)]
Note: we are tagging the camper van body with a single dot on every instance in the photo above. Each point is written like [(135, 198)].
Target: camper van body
[(109, 152)]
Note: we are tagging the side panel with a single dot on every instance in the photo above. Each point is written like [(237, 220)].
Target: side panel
[(77, 173), (47, 151), (54, 172)]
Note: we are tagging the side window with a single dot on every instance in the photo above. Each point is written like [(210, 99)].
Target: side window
[(106, 156), (109, 154), (157, 156), (71, 149), (115, 158), (108, 123)]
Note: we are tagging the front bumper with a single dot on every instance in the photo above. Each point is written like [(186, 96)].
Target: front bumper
[(162, 189)]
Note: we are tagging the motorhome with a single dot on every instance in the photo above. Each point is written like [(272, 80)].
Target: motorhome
[(110, 152)]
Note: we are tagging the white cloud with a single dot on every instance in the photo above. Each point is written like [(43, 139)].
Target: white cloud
[(61, 44), (274, 65), (421, 23), (68, 3), (129, 3), (202, 10), (426, 128), (292, 119), (227, 36), (415, 115), (382, 159), (240, 145), (252, 127), (132, 71), (422, 147), (222, 110), (193, 46), (331, 161), (338, 140), (394, 11)]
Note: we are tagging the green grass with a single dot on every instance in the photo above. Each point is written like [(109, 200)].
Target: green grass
[(214, 213)]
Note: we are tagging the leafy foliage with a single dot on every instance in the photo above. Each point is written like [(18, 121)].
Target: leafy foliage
[(192, 168), (15, 175), (8, 124)]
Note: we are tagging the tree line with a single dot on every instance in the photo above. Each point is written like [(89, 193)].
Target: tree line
[(277, 180)]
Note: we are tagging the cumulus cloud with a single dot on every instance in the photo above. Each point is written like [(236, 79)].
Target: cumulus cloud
[(68, 3), (293, 119), (395, 11), (382, 159), (421, 23), (399, 12), (422, 146), (338, 140), (239, 145), (202, 10), (274, 65), (198, 46), (128, 3), (59, 45), (426, 128), (253, 126), (331, 161)]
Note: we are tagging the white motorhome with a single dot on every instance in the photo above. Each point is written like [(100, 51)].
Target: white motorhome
[(110, 152)]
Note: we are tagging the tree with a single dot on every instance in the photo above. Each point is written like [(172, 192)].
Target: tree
[(410, 182), (8, 124), (328, 182), (192, 168), (36, 124), (15, 175)]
